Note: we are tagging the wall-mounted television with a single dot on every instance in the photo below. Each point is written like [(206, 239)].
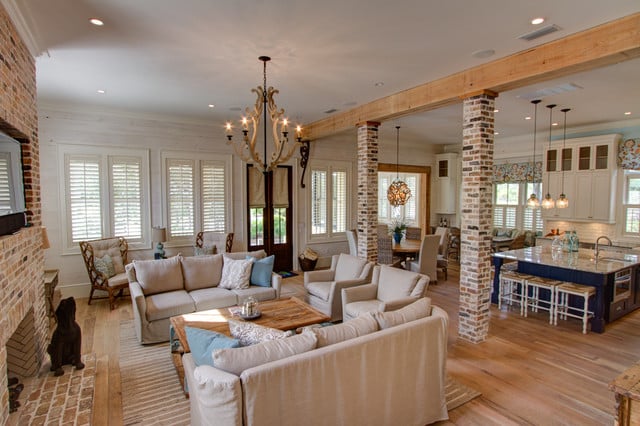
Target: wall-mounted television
[(12, 205)]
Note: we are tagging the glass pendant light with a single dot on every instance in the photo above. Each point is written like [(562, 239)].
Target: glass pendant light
[(398, 193), (563, 201), (532, 201), (548, 202)]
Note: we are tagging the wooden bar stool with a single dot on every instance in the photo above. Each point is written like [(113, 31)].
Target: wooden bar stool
[(533, 299), (563, 291), (511, 289)]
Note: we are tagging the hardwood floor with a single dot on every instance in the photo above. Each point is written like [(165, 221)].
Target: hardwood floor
[(528, 371)]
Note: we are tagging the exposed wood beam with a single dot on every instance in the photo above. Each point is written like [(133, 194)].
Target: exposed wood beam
[(606, 44)]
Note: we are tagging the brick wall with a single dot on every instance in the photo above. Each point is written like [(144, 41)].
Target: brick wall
[(21, 256), (367, 214)]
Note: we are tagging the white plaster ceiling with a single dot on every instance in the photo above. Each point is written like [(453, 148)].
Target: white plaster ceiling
[(176, 57)]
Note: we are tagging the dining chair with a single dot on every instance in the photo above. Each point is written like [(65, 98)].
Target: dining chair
[(413, 233), (352, 239), (427, 262), (385, 248)]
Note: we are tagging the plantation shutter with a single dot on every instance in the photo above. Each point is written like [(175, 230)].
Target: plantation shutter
[(511, 214), (83, 198), (181, 200), (126, 196), (410, 206), (213, 197), (498, 217), (5, 185), (383, 204), (339, 201), (318, 202)]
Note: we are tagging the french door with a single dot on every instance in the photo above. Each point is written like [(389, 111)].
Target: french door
[(269, 214)]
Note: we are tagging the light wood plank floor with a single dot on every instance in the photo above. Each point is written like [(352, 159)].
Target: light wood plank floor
[(528, 371)]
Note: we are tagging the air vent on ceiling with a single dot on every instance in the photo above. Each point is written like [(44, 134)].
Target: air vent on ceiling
[(330, 111), (550, 91), (539, 32)]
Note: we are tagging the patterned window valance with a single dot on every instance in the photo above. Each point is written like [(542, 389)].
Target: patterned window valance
[(629, 154), (517, 172)]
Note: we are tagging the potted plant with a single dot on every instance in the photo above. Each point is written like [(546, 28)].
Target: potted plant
[(397, 229)]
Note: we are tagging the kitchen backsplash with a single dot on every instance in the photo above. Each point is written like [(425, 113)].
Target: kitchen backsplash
[(587, 232)]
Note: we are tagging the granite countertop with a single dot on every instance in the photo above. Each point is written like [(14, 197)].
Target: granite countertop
[(583, 260)]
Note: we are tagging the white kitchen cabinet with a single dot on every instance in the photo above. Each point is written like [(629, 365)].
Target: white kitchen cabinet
[(446, 183), (593, 200)]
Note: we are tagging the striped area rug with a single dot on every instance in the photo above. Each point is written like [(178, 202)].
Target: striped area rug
[(151, 392), (458, 394)]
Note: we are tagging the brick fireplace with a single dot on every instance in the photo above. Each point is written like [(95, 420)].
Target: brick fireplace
[(22, 297)]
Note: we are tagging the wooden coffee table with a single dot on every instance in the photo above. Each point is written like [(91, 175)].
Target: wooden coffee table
[(282, 314)]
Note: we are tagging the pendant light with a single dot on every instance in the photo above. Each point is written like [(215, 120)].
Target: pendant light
[(563, 201), (398, 193), (548, 202), (532, 201)]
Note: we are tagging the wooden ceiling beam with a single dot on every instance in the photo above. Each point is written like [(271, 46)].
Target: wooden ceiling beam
[(606, 44)]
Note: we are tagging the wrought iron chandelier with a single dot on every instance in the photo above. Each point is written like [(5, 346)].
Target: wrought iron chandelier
[(398, 193), (548, 202), (282, 149), (563, 201), (532, 201)]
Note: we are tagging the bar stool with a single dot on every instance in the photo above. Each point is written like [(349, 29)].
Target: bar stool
[(533, 298), (563, 291), (511, 289)]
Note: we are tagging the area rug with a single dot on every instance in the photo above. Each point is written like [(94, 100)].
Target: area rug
[(458, 394), (287, 274), (151, 392)]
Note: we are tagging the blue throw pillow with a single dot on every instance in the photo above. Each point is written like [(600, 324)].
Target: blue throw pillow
[(261, 271), (203, 342)]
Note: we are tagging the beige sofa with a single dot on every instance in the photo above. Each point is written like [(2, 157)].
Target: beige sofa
[(180, 285), (394, 376)]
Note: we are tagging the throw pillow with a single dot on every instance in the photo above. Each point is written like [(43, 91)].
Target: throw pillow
[(261, 270), (419, 309), (235, 273), (235, 361), (250, 334), (105, 265), (364, 324), (203, 342)]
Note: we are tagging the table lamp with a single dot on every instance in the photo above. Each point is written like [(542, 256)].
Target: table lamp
[(45, 239), (159, 235)]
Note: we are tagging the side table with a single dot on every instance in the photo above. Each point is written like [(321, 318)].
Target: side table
[(50, 283), (627, 391)]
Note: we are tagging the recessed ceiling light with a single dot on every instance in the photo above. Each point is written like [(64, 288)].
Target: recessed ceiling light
[(211, 106), (483, 53), (379, 84), (496, 133), (627, 113), (101, 91), (527, 118), (496, 110), (554, 124), (537, 21), (97, 22)]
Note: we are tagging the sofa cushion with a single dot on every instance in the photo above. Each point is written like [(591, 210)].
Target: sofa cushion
[(419, 309), (261, 294), (320, 289), (104, 264), (202, 343), (159, 276), (250, 334), (395, 283), (169, 304), (258, 254), (201, 271), (355, 309), (360, 326), (349, 267), (213, 298), (261, 271), (235, 273), (237, 360)]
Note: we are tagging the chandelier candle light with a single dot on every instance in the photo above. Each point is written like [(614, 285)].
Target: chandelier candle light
[(532, 201), (548, 202), (563, 201), (398, 193), (246, 149)]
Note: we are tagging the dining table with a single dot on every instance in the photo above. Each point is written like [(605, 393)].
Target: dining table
[(406, 248)]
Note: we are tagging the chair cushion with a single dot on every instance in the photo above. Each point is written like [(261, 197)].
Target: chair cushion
[(320, 289), (349, 267), (395, 283), (201, 271), (261, 271), (355, 309), (249, 333), (169, 304), (110, 246), (118, 280), (159, 276), (235, 273), (105, 265), (419, 309), (360, 326), (202, 343), (237, 360), (261, 294), (213, 298)]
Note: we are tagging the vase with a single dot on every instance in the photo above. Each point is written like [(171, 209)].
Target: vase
[(397, 236)]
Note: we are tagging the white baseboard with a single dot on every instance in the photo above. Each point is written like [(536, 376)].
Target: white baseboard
[(77, 291)]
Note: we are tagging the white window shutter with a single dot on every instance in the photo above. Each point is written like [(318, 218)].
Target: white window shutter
[(126, 197), (84, 198), (318, 202), (213, 197), (339, 201), (181, 199)]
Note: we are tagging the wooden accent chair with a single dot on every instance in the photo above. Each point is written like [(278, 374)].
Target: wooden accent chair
[(105, 260), (222, 240)]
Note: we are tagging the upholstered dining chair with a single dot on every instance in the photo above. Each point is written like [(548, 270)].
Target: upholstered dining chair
[(223, 241), (390, 289), (105, 260), (324, 286), (427, 261), (352, 239)]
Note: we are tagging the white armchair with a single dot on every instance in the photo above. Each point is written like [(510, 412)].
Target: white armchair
[(324, 286), (390, 289)]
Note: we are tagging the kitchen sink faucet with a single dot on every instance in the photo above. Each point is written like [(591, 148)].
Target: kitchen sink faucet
[(597, 247)]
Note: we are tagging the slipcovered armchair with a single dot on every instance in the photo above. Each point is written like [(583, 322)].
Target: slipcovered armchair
[(105, 260), (324, 286), (221, 240), (390, 289)]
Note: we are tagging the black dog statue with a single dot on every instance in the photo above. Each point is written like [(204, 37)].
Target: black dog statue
[(66, 342)]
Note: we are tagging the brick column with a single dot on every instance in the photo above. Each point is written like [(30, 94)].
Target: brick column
[(477, 194), (367, 214)]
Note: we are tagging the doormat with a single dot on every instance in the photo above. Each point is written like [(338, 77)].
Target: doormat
[(287, 274)]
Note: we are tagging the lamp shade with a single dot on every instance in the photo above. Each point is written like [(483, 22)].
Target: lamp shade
[(45, 239), (159, 235)]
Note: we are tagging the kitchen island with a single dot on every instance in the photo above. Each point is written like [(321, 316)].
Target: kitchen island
[(613, 275)]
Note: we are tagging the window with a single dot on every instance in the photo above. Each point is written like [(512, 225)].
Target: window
[(509, 206), (329, 203), (409, 212), (197, 194), (631, 204), (106, 194)]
